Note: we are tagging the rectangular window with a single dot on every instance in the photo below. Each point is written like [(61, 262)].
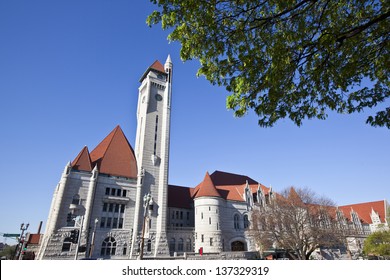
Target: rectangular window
[(124, 193), (211, 241), (202, 238), (107, 191), (104, 207), (117, 208), (118, 192), (108, 225), (112, 191), (209, 221), (177, 215), (110, 207), (120, 225), (102, 222), (181, 215), (115, 223), (122, 208)]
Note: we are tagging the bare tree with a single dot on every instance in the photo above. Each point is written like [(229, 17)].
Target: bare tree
[(297, 221)]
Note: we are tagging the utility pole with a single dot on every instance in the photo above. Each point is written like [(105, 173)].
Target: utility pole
[(19, 247)]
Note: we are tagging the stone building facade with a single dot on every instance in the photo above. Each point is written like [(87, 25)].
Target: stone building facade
[(111, 197)]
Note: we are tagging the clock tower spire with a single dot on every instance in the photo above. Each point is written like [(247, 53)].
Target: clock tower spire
[(152, 153)]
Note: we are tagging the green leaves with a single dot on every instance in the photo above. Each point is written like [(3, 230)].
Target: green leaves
[(378, 243), (295, 59)]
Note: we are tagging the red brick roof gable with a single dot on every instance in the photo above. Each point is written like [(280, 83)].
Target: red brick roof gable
[(82, 161), (115, 156)]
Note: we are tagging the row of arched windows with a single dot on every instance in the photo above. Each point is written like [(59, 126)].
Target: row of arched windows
[(179, 245), (108, 246)]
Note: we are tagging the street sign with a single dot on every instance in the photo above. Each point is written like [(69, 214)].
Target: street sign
[(11, 234)]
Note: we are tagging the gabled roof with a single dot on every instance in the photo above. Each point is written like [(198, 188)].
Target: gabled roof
[(226, 185), (206, 188), (180, 197), (156, 66), (364, 210), (82, 161), (113, 156), (221, 178)]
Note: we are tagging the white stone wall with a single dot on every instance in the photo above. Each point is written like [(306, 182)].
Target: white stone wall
[(214, 218), (208, 224), (78, 183)]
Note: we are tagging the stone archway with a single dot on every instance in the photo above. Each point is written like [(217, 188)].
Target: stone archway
[(238, 246)]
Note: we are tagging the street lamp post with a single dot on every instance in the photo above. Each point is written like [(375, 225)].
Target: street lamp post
[(81, 218), (93, 239), (148, 205)]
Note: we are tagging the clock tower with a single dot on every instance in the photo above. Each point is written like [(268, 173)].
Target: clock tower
[(152, 154)]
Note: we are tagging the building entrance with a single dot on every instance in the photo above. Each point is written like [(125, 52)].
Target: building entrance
[(238, 246)]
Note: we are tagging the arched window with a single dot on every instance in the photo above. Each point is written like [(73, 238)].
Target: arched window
[(172, 245), (149, 248), (236, 221), (108, 247), (66, 245), (180, 246), (246, 221), (188, 245)]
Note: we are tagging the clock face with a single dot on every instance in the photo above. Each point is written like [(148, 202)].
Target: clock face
[(158, 97)]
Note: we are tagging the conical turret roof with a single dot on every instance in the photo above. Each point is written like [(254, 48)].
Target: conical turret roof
[(207, 188)]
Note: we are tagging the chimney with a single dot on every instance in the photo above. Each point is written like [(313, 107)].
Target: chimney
[(39, 228)]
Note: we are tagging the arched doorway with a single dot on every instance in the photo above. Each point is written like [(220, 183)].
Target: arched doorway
[(238, 246)]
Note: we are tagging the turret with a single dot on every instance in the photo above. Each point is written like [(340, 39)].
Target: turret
[(208, 204)]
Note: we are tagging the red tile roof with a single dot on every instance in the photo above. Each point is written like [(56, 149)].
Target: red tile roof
[(221, 178), (226, 185), (236, 193), (157, 66), (82, 161), (180, 197), (364, 210), (206, 188), (114, 156)]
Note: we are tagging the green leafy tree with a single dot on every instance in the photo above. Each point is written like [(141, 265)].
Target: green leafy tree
[(378, 243), (8, 252), (287, 59)]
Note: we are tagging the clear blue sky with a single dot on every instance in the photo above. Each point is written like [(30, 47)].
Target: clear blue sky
[(69, 74)]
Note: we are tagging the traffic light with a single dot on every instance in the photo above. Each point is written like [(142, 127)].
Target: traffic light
[(74, 236)]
